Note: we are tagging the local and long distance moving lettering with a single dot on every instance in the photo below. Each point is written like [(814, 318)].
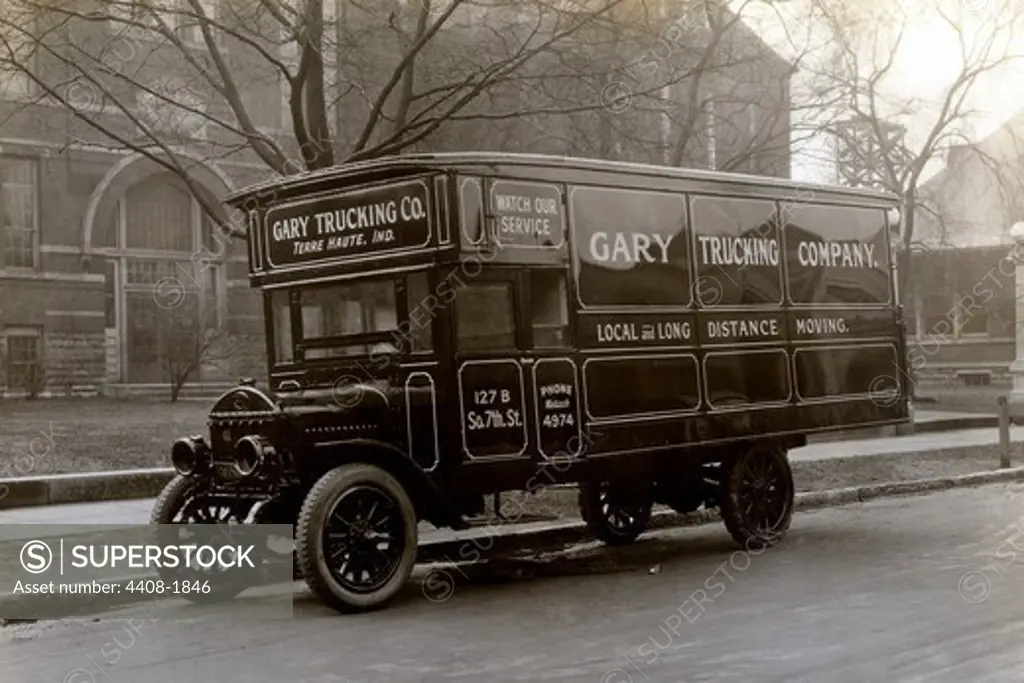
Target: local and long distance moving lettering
[(660, 331), (821, 326), (743, 329)]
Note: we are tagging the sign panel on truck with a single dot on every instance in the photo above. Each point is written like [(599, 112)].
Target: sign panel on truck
[(349, 225)]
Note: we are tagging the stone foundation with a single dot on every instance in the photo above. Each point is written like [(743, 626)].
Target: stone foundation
[(966, 375), (74, 362)]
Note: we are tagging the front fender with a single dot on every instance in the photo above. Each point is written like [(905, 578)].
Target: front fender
[(430, 501)]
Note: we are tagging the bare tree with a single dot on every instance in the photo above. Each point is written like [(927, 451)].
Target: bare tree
[(299, 85), (188, 348), (867, 42)]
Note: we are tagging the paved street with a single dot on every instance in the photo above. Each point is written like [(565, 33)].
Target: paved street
[(863, 593)]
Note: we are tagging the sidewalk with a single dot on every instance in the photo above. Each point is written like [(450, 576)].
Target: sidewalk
[(925, 415), (137, 511), (932, 441)]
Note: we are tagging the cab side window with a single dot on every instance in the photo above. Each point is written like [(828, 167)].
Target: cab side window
[(421, 322), (281, 315), (485, 312), (549, 304)]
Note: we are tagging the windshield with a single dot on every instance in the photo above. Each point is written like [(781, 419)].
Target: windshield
[(331, 313), (349, 309)]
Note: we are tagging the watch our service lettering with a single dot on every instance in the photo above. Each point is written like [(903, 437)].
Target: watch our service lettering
[(350, 223), (716, 250), (836, 254), (527, 214)]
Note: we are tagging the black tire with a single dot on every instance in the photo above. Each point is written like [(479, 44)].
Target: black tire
[(757, 494), (613, 519), (171, 507), (318, 516)]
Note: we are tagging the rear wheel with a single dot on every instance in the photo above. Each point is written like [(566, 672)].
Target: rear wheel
[(357, 537), (757, 495), (615, 515)]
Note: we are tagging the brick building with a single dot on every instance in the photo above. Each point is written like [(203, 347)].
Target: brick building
[(99, 289), (961, 277)]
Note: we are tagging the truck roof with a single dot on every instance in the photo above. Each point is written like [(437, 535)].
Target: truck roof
[(498, 163)]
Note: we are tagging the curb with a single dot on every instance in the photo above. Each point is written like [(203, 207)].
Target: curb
[(951, 424), (96, 487), (442, 552), (83, 488), (956, 424)]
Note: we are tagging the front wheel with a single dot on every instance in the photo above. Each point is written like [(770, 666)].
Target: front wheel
[(614, 515), (181, 503), (356, 538), (757, 494)]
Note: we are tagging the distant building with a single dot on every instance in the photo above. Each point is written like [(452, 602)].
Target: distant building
[(99, 285), (961, 276)]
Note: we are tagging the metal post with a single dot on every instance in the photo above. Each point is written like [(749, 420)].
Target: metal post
[(1004, 432)]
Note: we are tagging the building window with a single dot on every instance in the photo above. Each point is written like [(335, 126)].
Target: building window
[(110, 292), (972, 317), (173, 105), (159, 217), (910, 320), (189, 23), (936, 318), (1003, 314), (17, 51), (18, 212), (155, 15), (24, 370)]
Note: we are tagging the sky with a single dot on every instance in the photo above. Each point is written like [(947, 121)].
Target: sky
[(926, 63)]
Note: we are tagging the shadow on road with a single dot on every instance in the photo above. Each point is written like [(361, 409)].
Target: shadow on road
[(679, 553)]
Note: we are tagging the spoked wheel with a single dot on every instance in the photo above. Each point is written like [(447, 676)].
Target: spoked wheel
[(181, 504), (615, 516), (757, 496), (357, 537)]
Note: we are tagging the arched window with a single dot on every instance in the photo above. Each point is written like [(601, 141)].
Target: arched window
[(167, 291)]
